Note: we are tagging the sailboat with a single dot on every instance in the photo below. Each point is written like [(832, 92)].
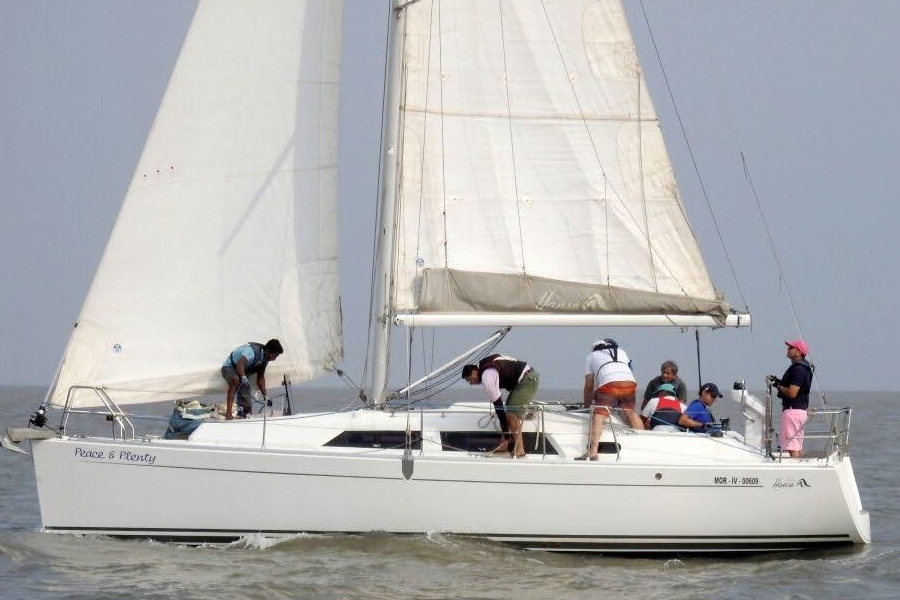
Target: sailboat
[(524, 182)]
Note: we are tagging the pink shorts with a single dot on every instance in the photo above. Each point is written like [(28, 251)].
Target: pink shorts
[(792, 422)]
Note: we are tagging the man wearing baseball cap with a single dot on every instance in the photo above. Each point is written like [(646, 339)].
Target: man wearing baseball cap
[(699, 410), (793, 389)]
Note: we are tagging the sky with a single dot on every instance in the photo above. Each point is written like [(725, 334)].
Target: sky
[(803, 90)]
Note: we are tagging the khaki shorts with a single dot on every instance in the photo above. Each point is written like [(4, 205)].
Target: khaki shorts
[(522, 394)]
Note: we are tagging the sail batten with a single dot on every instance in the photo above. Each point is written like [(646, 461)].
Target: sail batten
[(228, 231)]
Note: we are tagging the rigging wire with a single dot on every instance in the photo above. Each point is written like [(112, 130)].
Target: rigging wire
[(447, 376), (609, 188), (512, 137), (642, 183), (443, 138), (607, 184), (423, 145), (781, 276), (690, 150), (747, 176), (697, 343)]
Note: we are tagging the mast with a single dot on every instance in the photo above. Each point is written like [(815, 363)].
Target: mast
[(390, 156)]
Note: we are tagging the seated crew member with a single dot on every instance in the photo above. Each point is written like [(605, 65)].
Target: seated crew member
[(699, 409), (665, 413)]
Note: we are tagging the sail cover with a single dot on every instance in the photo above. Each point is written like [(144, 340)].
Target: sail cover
[(533, 176), (228, 231)]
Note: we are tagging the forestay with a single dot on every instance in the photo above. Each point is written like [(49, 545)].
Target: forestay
[(533, 173), (228, 231)]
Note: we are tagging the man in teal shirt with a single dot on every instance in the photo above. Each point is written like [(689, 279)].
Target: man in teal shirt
[(249, 359)]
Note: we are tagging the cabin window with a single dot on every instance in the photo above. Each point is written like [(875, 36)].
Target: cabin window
[(485, 441), (608, 448), (376, 439)]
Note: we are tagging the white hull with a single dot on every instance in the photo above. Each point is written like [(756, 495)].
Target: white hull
[(222, 484)]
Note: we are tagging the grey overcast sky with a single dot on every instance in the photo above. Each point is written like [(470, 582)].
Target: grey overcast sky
[(806, 89)]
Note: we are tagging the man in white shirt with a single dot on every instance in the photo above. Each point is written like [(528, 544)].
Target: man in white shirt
[(608, 384)]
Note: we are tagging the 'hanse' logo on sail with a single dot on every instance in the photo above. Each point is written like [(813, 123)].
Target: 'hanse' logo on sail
[(549, 303)]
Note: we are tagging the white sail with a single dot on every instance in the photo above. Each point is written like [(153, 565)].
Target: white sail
[(228, 231), (533, 173)]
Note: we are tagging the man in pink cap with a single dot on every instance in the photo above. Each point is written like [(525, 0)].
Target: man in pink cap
[(793, 389)]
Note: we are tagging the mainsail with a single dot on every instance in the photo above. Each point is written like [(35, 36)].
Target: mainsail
[(533, 176), (228, 231)]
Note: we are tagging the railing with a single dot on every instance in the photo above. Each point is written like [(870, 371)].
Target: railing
[(124, 428), (112, 413), (612, 427), (746, 410), (535, 413), (541, 429), (123, 423), (831, 426), (770, 428)]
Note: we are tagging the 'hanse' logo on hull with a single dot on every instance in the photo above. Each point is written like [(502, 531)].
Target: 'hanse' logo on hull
[(790, 483)]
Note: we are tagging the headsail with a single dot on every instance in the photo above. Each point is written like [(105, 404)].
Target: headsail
[(533, 175), (228, 232)]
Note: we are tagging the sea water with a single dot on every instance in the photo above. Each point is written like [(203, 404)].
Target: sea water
[(376, 566)]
